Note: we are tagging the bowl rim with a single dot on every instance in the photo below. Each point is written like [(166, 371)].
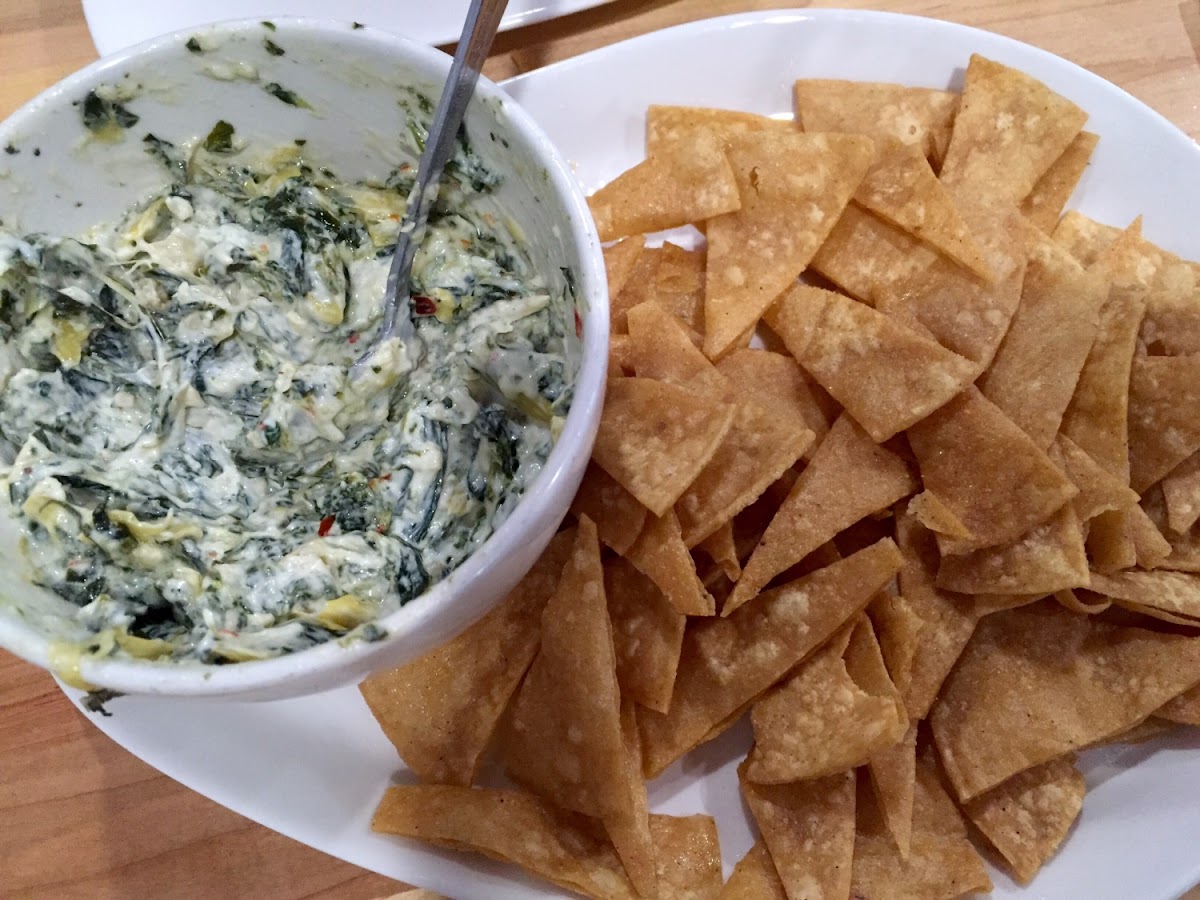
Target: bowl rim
[(424, 623)]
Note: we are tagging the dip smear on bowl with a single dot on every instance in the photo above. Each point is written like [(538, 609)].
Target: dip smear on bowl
[(193, 465)]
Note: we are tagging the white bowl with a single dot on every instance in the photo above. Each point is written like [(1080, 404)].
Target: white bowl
[(350, 76)]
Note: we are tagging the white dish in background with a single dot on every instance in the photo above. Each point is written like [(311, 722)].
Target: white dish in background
[(117, 24), (315, 768)]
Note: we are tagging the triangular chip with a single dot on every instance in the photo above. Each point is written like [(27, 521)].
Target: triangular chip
[(720, 548), (1110, 544), (894, 774), (1174, 596), (618, 515), (1164, 416), (897, 626), (942, 863), (665, 124), (832, 715), (440, 710), (1033, 375), (887, 376), (662, 555), (1027, 817), (689, 857), (680, 285), (564, 733), (1009, 130), (848, 478), (780, 385), (1099, 491), (808, 828), (1045, 203), (654, 438), (754, 877), (1184, 709), (1082, 602), (919, 117), (1151, 547), (639, 286), (793, 188), (726, 663), (866, 256), (1181, 490), (1084, 238), (1116, 676), (647, 635), (631, 830), (901, 187), (684, 181), (511, 826), (619, 261), (987, 471), (937, 516)]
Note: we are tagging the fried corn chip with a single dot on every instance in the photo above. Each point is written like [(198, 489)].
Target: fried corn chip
[(662, 555), (640, 286), (689, 857), (727, 663), (720, 548), (619, 262), (1027, 817), (1045, 203), (919, 117), (808, 828), (793, 189), (886, 376), (1173, 596), (668, 124), (1033, 375), (618, 515), (778, 383), (1014, 664), (510, 826), (684, 181), (937, 517), (894, 775), (1082, 602), (647, 635), (1110, 544), (1010, 129), (618, 356), (866, 256), (942, 863), (1149, 730), (987, 471), (1099, 491), (848, 478), (655, 438), (754, 877), (1181, 491), (1164, 416), (1152, 549), (1084, 238), (680, 286), (897, 626), (631, 830), (832, 715), (441, 709), (1184, 709)]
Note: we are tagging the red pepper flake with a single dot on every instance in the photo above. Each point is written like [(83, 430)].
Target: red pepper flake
[(578, 325), (423, 306), (326, 526), (225, 632), (381, 529), (353, 339)]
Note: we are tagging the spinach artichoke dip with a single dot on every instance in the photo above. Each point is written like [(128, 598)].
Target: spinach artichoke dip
[(192, 464)]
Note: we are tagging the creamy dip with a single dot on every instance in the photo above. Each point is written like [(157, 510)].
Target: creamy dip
[(193, 466)]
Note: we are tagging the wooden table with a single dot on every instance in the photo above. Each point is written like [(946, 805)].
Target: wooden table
[(79, 816)]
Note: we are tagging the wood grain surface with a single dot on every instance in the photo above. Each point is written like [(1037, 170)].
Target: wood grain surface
[(82, 818)]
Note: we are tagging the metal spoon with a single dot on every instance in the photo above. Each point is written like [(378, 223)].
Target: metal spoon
[(479, 30)]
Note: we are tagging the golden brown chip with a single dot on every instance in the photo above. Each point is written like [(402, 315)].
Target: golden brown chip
[(663, 556), (666, 124), (440, 710), (894, 775), (1149, 730), (1033, 375), (885, 375), (920, 117), (631, 830), (619, 261), (1162, 594), (942, 863), (1164, 416), (1049, 196), (655, 438), (1082, 602), (778, 383), (901, 188), (937, 517), (684, 181), (866, 256), (1184, 709), (689, 857), (1084, 238), (647, 635), (1151, 547), (640, 286), (720, 548), (832, 715), (619, 364), (793, 188), (985, 722), (726, 663), (848, 478), (680, 286), (897, 626), (1110, 544), (1009, 130), (808, 828), (1099, 491), (511, 826), (987, 471), (618, 515), (1027, 817), (754, 877)]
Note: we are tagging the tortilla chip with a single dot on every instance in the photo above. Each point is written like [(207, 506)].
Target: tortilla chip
[(987, 471), (662, 555), (689, 857), (808, 828), (901, 188), (1184, 709), (1084, 238), (641, 286), (1027, 817), (897, 626), (510, 826), (1110, 544), (619, 261), (1151, 547), (618, 515), (832, 715), (848, 478), (440, 710), (647, 635), (885, 375), (631, 830), (1033, 375), (780, 385), (564, 733), (793, 188), (754, 877), (866, 256), (684, 181), (1164, 416), (984, 721), (1149, 730), (894, 774), (655, 438), (942, 863), (919, 117), (720, 548), (680, 286), (619, 364), (937, 517), (1082, 602), (726, 663), (667, 124), (1045, 203), (1009, 131), (1048, 558), (1174, 596), (1099, 491)]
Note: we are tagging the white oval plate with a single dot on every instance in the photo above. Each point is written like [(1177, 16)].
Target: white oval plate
[(117, 24), (314, 768)]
